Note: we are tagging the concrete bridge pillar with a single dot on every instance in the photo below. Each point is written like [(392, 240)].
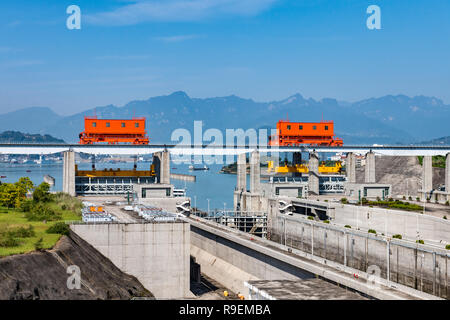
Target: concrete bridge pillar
[(447, 173), (69, 173), (370, 168), (313, 174), (350, 167), (427, 174), (255, 172), (241, 172), (297, 158), (161, 160)]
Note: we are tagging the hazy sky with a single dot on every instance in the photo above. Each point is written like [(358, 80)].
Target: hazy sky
[(259, 49)]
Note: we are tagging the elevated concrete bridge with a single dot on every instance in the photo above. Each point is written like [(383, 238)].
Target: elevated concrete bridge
[(394, 150)]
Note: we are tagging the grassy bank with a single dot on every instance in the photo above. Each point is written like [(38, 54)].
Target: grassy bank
[(389, 204), (16, 235)]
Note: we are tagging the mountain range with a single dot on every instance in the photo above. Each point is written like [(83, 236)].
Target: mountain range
[(385, 120), (15, 137)]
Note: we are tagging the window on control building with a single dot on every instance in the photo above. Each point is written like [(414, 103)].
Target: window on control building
[(123, 124), (94, 124), (107, 124), (314, 127), (136, 124)]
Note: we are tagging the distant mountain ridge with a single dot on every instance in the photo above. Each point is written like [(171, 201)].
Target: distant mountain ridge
[(387, 120), (445, 141), (19, 137)]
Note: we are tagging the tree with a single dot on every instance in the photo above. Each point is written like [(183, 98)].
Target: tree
[(8, 195), (41, 193)]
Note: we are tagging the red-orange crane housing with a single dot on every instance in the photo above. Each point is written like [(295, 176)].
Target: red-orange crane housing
[(309, 133), (114, 131)]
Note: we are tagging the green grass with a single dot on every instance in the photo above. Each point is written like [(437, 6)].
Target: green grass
[(14, 218), (397, 204)]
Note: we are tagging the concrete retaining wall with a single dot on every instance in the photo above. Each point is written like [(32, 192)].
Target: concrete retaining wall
[(392, 222), (409, 264), (157, 254)]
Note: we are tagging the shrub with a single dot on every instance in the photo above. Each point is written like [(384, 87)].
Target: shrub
[(8, 241), (417, 199), (344, 200), (26, 205), (410, 198), (447, 247), (347, 226), (59, 228), (372, 231), (447, 203), (310, 218), (325, 200), (326, 221), (391, 199), (42, 212), (378, 199), (23, 232), (420, 241), (404, 197), (397, 236), (445, 217), (38, 245)]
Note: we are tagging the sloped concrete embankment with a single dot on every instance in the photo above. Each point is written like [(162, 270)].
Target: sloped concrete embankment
[(43, 275)]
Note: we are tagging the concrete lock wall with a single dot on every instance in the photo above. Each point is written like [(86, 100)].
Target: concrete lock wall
[(409, 264), (231, 264), (392, 222), (157, 254)]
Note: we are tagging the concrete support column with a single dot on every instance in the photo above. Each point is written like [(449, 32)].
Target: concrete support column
[(297, 158), (161, 161), (313, 174), (69, 172), (447, 173), (427, 174), (350, 167), (241, 172), (255, 172), (370, 168)]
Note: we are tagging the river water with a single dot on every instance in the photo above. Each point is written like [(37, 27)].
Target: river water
[(210, 184)]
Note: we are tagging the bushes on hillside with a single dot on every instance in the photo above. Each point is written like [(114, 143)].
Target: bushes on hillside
[(22, 232), (397, 236), (42, 212), (59, 228), (8, 241)]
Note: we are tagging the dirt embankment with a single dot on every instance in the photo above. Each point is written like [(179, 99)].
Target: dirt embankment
[(403, 173), (43, 275)]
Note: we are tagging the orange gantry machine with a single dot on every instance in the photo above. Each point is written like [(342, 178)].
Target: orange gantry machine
[(305, 133), (113, 131)]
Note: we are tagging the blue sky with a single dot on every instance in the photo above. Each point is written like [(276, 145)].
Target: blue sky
[(259, 49)]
